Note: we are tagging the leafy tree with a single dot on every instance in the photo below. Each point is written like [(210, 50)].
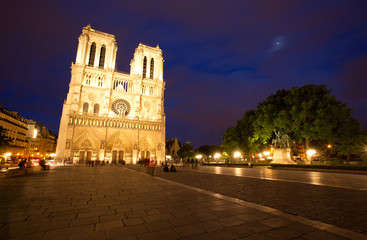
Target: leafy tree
[(350, 139), (246, 130), (209, 149), (231, 139), (240, 137), (186, 151), (306, 114), (315, 114), (272, 116)]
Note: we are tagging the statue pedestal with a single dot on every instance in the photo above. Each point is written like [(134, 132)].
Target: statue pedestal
[(282, 156)]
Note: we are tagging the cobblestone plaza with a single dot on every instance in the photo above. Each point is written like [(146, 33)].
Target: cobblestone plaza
[(115, 202)]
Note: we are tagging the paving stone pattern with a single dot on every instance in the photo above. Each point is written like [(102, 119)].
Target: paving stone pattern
[(112, 202), (346, 208)]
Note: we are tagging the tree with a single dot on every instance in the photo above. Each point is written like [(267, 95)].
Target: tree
[(186, 151), (306, 114), (231, 139), (350, 139), (209, 149), (315, 114), (240, 137), (272, 116)]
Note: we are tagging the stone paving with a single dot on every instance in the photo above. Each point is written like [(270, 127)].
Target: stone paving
[(342, 207), (111, 202)]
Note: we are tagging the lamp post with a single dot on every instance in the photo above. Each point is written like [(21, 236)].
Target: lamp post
[(216, 156), (310, 153), (236, 155)]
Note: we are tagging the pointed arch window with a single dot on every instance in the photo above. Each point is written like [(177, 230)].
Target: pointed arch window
[(151, 91), (143, 90), (96, 109), (92, 54), (102, 56), (88, 79), (100, 82), (145, 67), (85, 107), (151, 68)]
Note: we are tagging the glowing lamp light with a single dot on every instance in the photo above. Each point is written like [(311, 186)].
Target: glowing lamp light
[(199, 156), (8, 154), (236, 154), (266, 153), (52, 154), (217, 155), (35, 133), (311, 152), (168, 157), (329, 146)]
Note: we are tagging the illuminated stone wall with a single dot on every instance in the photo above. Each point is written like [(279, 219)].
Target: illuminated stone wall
[(110, 115)]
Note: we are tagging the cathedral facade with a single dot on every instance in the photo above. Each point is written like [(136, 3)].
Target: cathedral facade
[(109, 115)]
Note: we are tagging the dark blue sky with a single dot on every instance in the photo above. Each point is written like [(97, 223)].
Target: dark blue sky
[(221, 57)]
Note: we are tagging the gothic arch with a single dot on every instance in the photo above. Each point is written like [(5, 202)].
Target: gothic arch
[(147, 144), (119, 140), (86, 140)]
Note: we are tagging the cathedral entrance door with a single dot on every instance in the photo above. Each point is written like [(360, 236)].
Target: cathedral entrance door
[(121, 156), (89, 156), (114, 156), (81, 157), (147, 154)]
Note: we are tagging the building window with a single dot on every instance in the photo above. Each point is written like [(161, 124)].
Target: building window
[(143, 90), (88, 79), (151, 68), (100, 82), (85, 107), (122, 85), (96, 109), (145, 67), (102, 56), (151, 91), (92, 54)]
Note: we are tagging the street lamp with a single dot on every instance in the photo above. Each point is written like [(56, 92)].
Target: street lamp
[(310, 153), (216, 156), (236, 155)]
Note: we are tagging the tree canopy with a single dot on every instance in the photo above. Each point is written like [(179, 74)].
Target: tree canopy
[(308, 114), (186, 151)]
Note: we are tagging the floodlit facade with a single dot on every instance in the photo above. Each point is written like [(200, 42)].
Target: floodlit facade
[(109, 115)]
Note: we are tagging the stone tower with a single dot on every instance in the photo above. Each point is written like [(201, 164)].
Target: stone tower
[(110, 115)]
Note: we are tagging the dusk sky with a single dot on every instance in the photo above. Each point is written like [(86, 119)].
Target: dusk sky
[(221, 57)]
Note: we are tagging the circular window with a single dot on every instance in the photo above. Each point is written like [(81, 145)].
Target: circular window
[(121, 107)]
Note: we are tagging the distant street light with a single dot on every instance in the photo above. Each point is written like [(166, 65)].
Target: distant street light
[(311, 152), (236, 155), (216, 156)]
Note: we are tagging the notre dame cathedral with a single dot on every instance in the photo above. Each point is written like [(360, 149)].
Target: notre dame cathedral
[(109, 115)]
